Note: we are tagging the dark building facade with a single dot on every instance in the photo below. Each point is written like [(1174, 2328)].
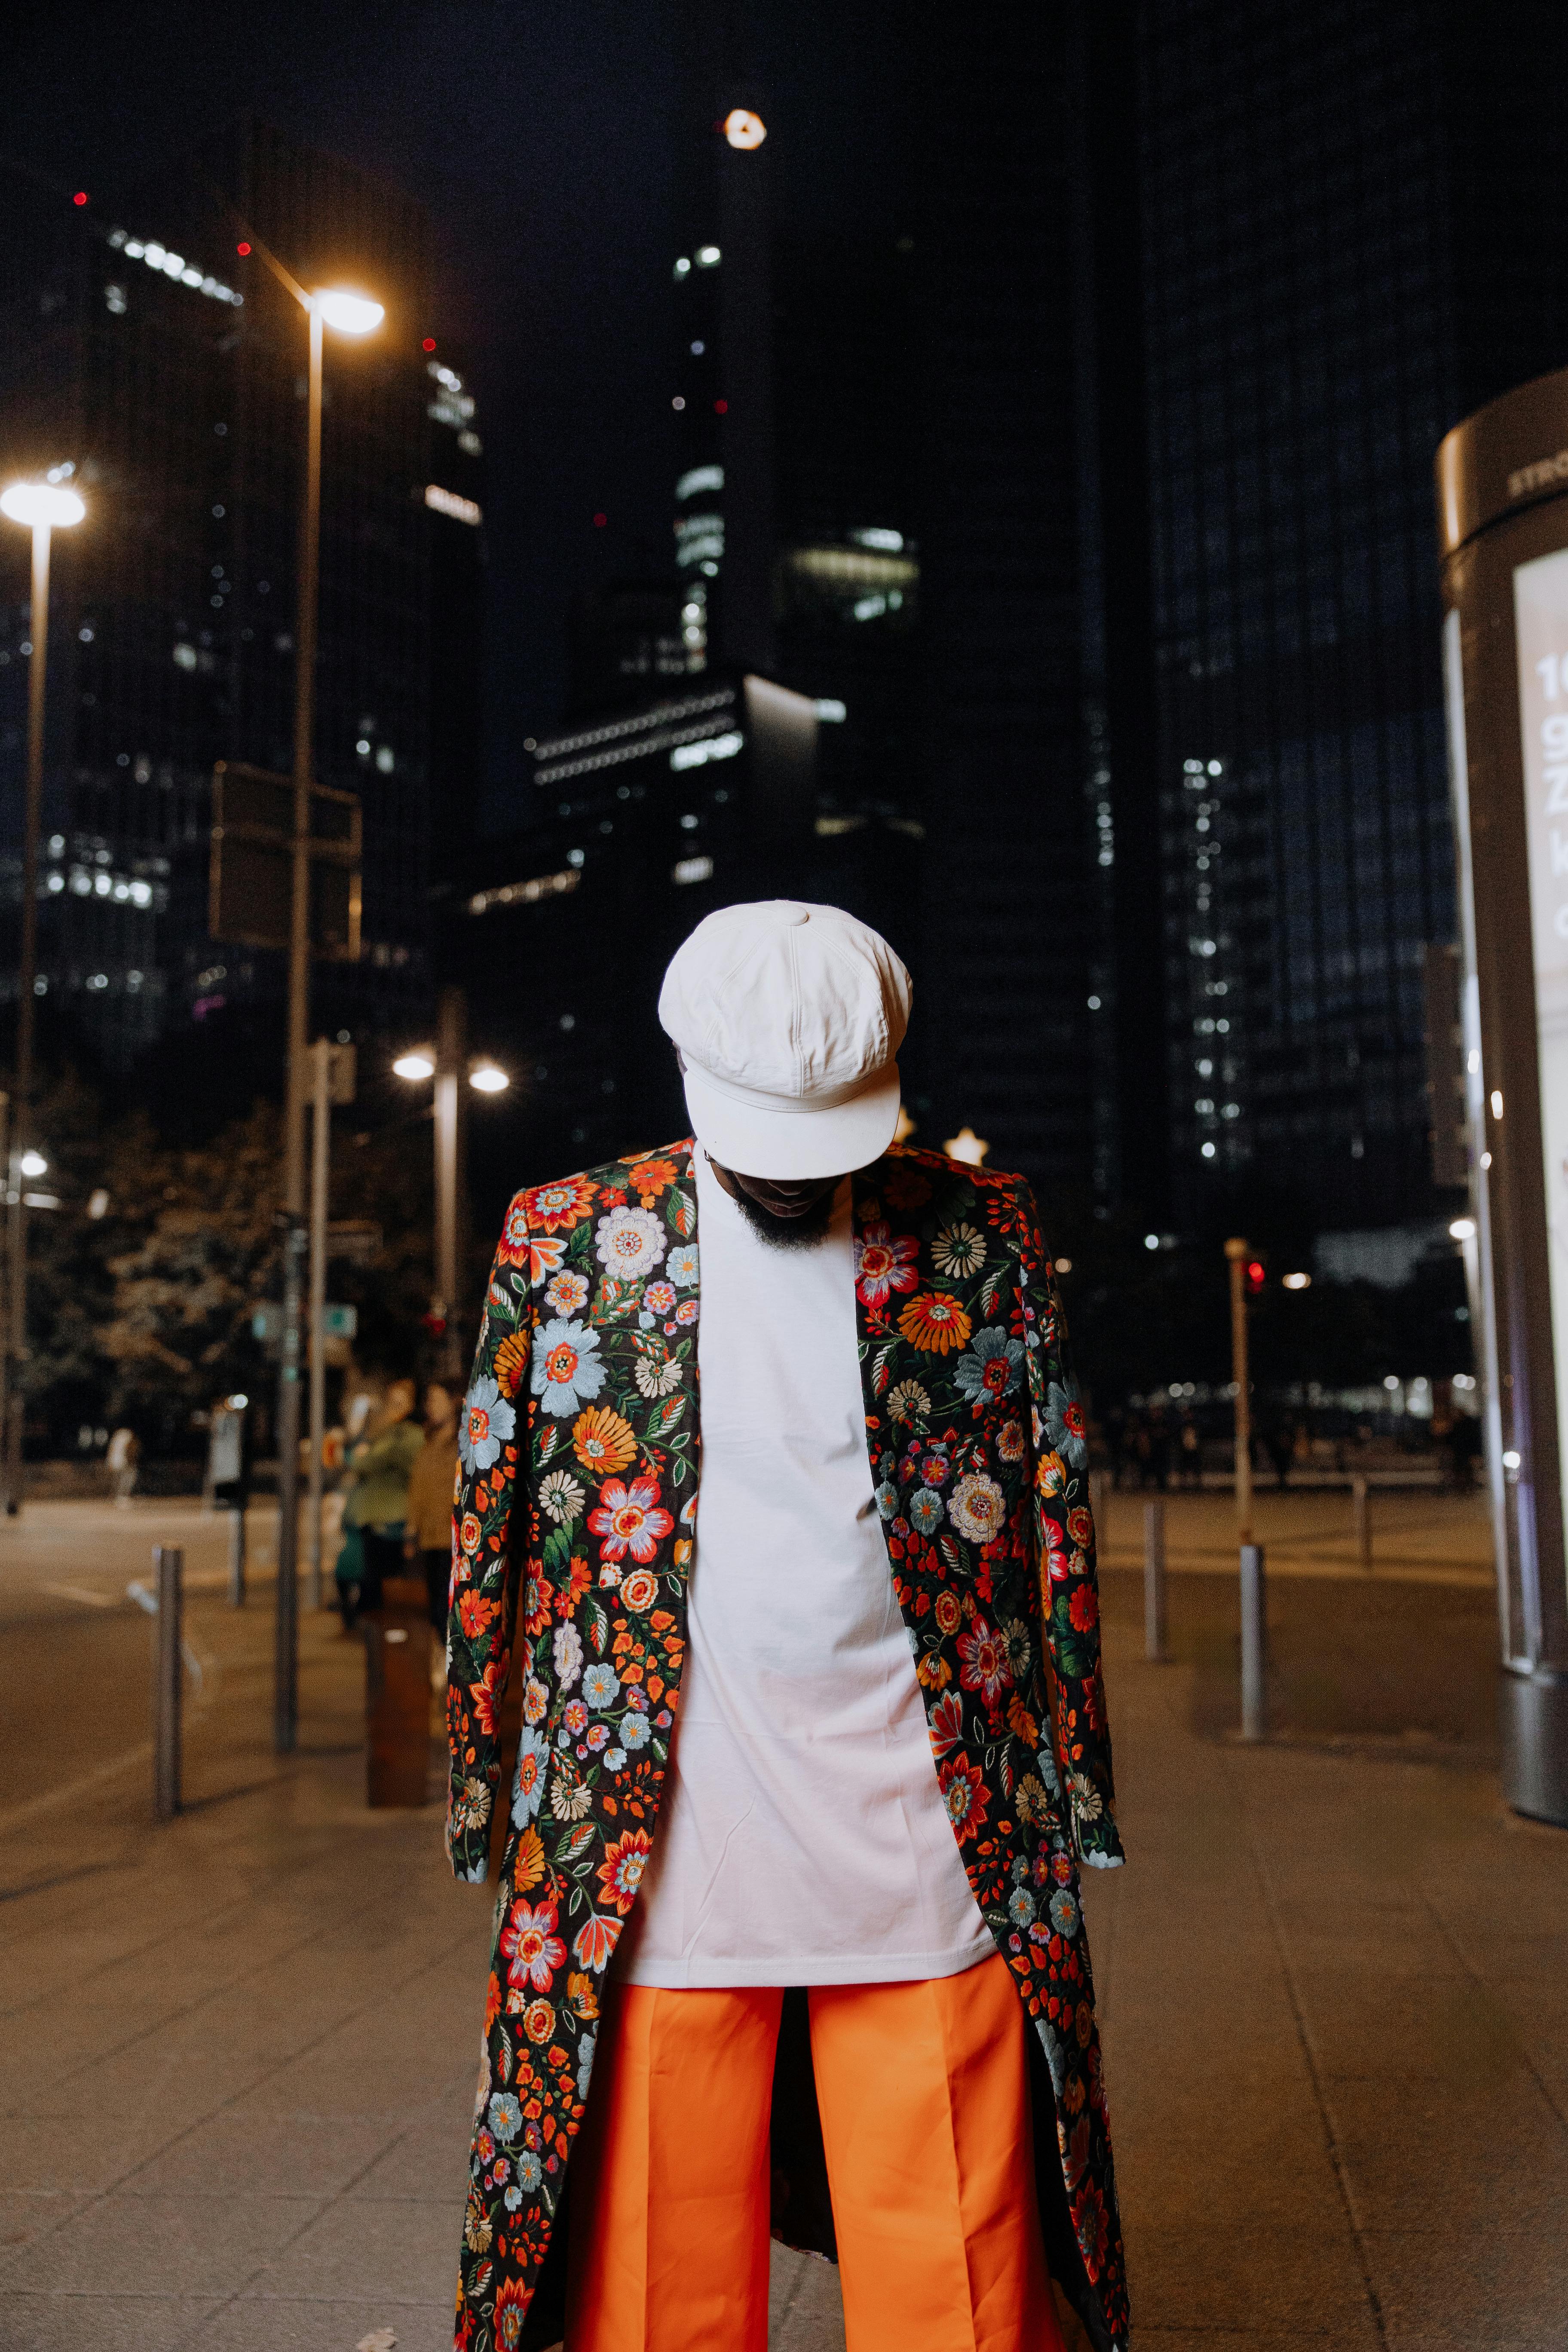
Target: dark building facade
[(166, 366), (1348, 243)]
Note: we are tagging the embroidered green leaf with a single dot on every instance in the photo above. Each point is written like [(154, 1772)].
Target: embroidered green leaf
[(577, 1844), (615, 1299), (504, 2044), (879, 1367), (989, 1288), (549, 1441), (951, 1554), (665, 1417), (598, 1627), (680, 1209), (557, 1547)]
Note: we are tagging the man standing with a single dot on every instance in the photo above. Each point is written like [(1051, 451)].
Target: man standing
[(815, 1959)]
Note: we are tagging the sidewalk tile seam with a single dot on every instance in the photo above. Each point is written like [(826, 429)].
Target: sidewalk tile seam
[(1468, 1967), (1335, 2152)]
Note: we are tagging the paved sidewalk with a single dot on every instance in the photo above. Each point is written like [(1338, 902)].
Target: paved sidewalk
[(236, 2063)]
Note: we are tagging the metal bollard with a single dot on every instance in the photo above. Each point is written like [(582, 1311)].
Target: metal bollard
[(237, 1556), (1154, 1648), (168, 1570), (1361, 1507), (1254, 1641)]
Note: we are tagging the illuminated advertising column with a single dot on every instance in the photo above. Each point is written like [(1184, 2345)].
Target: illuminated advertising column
[(1503, 502)]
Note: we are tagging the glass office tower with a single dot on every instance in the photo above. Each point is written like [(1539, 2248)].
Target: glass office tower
[(1347, 245)]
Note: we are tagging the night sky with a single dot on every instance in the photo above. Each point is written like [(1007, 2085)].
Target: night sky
[(544, 141)]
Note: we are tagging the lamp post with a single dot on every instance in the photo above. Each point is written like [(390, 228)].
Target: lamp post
[(444, 1063), (42, 508), (346, 314)]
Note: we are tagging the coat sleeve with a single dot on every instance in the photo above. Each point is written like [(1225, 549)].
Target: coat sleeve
[(489, 1536), (1064, 1531)]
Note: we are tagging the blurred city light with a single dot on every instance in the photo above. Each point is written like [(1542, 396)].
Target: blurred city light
[(1463, 1229), (1296, 1281), (744, 129), (41, 502), (33, 1164), (416, 1065), (487, 1079), (967, 1146), (351, 314)]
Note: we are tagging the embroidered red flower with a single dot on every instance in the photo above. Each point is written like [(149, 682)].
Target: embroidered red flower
[(1083, 1609), (884, 1261), (530, 1946), (629, 1519), (488, 1693), (620, 1872), (946, 1724), (964, 1794), (983, 1662), (1092, 2226)]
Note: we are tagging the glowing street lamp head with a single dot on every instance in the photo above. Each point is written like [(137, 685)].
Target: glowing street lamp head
[(349, 314), (488, 1079), (34, 1164), (41, 502), (744, 129), (415, 1064)]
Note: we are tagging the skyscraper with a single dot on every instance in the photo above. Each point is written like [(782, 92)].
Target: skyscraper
[(1348, 244), (151, 350)]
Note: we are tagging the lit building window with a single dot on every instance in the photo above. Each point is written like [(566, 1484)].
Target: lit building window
[(447, 502)]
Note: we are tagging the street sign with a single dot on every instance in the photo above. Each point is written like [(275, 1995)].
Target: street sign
[(250, 878), (337, 1322)]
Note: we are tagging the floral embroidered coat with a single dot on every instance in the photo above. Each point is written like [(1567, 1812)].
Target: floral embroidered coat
[(575, 1512)]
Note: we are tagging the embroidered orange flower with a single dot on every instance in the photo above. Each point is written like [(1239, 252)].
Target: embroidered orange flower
[(553, 1206), (650, 1177), (603, 1442), (511, 1363), (620, 1872), (936, 1322)]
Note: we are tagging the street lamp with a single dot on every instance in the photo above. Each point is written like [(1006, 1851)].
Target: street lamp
[(443, 1062), (41, 507), (347, 313)]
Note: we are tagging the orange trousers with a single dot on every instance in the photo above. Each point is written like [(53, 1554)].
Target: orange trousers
[(923, 2094)]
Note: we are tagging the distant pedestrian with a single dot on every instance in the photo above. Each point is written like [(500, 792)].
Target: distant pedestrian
[(428, 1529), (377, 1505), (1189, 1453), (124, 1460), (1280, 1445)]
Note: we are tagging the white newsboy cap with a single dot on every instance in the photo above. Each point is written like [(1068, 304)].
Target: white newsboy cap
[(788, 1018)]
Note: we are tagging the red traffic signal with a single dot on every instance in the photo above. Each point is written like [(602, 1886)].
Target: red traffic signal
[(1257, 1276)]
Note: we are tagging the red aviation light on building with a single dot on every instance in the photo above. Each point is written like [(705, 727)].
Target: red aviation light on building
[(1256, 1274), (600, 520), (721, 408), (242, 249), (428, 344), (79, 197)]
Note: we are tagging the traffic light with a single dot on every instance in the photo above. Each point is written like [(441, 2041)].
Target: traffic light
[(1257, 1276)]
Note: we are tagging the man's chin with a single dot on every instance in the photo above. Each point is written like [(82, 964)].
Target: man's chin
[(802, 1231)]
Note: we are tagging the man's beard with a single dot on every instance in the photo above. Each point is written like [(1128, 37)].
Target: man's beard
[(787, 1233)]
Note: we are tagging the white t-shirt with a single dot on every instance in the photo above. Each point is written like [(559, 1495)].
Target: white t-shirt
[(801, 1838)]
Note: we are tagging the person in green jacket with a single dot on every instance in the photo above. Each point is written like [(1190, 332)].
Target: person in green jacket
[(378, 1502)]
